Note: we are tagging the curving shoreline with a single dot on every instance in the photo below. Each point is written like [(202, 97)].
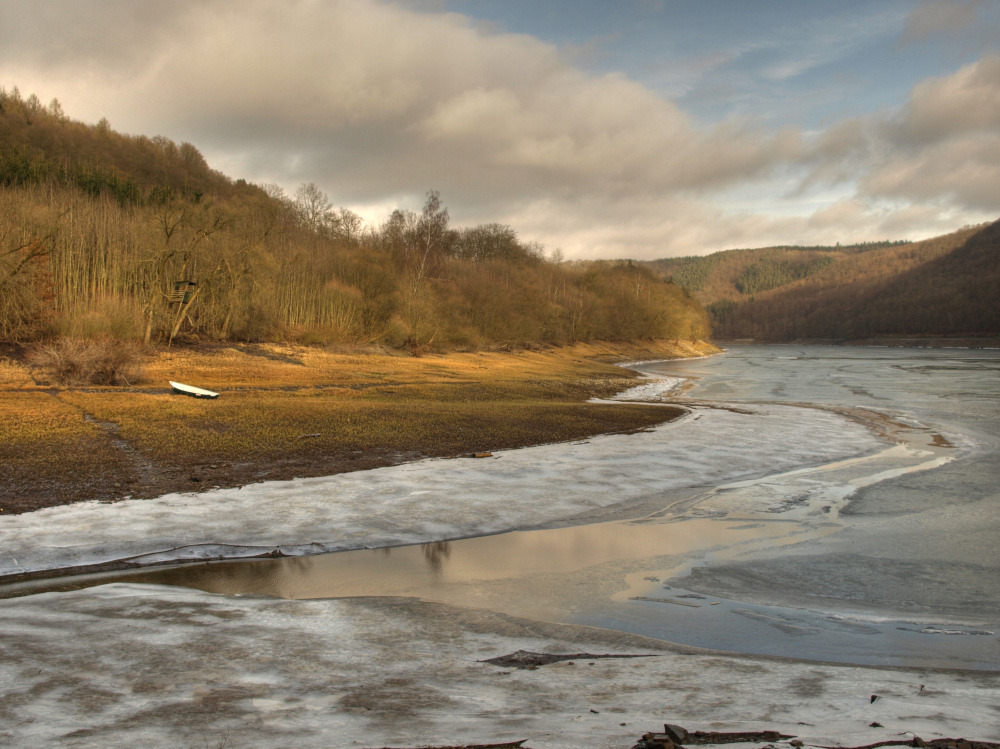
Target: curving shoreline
[(288, 412), (168, 663)]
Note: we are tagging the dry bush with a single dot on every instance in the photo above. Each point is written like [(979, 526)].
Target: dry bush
[(111, 268), (112, 317), (79, 361)]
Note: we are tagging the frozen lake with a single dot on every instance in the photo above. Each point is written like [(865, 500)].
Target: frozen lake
[(913, 553), (821, 503), (923, 542), (824, 503), (886, 554)]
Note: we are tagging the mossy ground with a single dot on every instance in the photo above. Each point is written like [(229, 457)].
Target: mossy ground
[(296, 411)]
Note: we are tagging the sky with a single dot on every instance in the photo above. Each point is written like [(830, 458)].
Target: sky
[(640, 128)]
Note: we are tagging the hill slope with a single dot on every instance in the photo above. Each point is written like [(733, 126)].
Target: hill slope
[(130, 237), (946, 286)]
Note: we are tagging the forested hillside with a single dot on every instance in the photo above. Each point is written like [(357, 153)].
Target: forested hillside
[(947, 286), (136, 238)]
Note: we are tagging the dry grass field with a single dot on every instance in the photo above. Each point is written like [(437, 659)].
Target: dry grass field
[(287, 411)]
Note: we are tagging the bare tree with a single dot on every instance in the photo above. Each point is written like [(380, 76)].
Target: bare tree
[(433, 225), (171, 258), (349, 225), (489, 242), (314, 207)]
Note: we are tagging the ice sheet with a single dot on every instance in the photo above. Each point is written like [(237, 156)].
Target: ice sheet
[(129, 665), (657, 389), (439, 499)]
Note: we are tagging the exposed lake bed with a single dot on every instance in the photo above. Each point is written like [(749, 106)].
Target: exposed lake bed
[(735, 558)]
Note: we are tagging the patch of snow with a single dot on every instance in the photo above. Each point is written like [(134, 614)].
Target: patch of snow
[(656, 390)]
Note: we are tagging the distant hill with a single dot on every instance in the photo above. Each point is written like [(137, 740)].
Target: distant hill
[(107, 235), (946, 286), (39, 144)]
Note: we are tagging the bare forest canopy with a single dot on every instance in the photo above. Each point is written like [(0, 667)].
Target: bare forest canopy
[(946, 286), (135, 238)]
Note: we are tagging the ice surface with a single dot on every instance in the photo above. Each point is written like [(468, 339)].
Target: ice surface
[(919, 537), (656, 389), (131, 665), (437, 499)]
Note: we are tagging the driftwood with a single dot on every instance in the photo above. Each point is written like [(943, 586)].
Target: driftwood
[(527, 659), (508, 745), (675, 737), (715, 737)]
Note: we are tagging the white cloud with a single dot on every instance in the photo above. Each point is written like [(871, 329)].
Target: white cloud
[(945, 142), (375, 102), (936, 159), (941, 108)]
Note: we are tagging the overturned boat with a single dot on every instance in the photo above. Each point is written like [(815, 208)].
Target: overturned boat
[(191, 390)]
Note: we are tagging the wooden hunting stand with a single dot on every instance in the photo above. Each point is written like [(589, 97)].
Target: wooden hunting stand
[(182, 292)]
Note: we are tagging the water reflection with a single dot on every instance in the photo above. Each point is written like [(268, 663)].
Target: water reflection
[(537, 573), (435, 554)]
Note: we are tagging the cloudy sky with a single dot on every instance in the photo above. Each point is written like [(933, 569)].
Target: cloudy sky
[(639, 128)]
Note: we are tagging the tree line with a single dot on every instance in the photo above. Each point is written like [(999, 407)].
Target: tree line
[(136, 238), (946, 286)]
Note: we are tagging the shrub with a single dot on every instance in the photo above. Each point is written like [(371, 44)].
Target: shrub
[(79, 361), (110, 318)]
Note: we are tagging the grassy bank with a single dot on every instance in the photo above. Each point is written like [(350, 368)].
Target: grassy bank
[(298, 411)]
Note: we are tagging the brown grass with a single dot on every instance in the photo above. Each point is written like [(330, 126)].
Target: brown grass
[(295, 411), (14, 374), (50, 454)]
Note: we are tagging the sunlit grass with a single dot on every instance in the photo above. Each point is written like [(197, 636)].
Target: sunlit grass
[(13, 374), (297, 366), (248, 426), (32, 416), (43, 440), (317, 410)]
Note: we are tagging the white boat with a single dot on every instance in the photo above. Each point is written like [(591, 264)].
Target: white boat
[(194, 392)]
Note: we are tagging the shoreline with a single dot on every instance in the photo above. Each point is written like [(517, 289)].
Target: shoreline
[(958, 342), (880, 424), (276, 518), (378, 670), (295, 412)]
